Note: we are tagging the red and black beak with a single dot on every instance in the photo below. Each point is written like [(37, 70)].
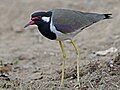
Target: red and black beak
[(32, 21), (29, 23)]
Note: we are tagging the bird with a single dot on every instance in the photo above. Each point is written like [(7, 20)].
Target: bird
[(64, 24)]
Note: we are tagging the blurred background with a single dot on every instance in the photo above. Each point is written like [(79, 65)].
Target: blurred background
[(35, 62)]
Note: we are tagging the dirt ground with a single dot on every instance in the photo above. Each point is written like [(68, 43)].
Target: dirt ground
[(29, 61)]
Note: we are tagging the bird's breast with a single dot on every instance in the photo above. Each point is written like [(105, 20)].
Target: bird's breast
[(45, 31)]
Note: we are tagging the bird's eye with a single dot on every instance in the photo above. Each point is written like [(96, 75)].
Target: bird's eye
[(35, 18)]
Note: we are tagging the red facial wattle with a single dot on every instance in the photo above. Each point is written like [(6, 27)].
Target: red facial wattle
[(32, 21)]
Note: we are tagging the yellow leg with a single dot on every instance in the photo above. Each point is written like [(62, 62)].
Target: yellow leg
[(77, 53), (63, 64)]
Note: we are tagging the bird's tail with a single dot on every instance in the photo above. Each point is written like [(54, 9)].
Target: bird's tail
[(107, 16)]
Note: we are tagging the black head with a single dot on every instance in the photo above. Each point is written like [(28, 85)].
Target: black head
[(36, 14), (38, 18)]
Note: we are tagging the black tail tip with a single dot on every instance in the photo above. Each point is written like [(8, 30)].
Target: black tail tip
[(108, 16)]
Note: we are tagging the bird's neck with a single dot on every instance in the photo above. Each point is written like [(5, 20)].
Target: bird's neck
[(45, 31)]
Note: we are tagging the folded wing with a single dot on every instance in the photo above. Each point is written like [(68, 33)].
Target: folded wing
[(67, 21)]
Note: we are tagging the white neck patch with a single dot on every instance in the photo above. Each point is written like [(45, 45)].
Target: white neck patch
[(46, 19)]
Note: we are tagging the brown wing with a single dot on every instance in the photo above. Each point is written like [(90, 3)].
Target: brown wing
[(67, 21)]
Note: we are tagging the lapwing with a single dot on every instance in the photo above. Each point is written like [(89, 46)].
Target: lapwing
[(64, 24)]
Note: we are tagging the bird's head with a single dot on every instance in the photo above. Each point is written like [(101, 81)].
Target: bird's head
[(38, 18)]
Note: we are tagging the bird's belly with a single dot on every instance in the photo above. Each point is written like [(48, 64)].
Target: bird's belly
[(67, 36), (62, 37)]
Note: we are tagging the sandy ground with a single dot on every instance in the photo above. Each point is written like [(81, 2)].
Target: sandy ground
[(29, 61)]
